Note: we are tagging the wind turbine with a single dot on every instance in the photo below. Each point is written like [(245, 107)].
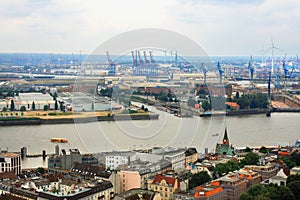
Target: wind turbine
[(272, 49)]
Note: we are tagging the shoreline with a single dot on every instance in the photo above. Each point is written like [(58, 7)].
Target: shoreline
[(87, 119), (236, 113)]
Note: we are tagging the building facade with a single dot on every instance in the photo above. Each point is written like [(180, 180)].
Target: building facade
[(137, 175), (10, 162), (114, 159), (165, 185)]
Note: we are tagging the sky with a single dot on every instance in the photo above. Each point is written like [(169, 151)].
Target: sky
[(232, 27)]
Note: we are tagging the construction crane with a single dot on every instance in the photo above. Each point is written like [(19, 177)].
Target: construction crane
[(112, 65), (220, 71), (251, 70)]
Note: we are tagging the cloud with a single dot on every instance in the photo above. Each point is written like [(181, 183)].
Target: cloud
[(222, 27)]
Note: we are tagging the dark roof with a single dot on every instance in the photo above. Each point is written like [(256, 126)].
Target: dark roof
[(9, 197), (225, 135), (84, 169), (104, 174), (139, 196), (136, 193), (190, 151)]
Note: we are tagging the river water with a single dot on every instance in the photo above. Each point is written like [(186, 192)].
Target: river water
[(169, 130)]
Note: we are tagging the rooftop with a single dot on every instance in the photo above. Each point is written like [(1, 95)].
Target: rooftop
[(9, 155), (169, 180), (134, 194)]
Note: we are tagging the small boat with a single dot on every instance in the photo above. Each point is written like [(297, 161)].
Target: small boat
[(59, 140)]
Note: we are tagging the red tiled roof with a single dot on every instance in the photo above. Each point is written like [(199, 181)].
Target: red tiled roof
[(169, 180), (8, 175), (232, 104)]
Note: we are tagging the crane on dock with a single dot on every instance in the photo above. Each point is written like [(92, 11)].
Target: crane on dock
[(221, 71), (204, 70), (111, 64), (251, 71), (153, 64)]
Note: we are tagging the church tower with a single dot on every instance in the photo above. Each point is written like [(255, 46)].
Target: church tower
[(225, 139)]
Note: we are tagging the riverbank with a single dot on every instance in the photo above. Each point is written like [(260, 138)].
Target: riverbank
[(235, 112), (77, 118)]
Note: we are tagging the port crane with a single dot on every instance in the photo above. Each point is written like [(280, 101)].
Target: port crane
[(288, 74), (277, 75), (135, 63), (112, 65), (251, 70), (153, 64), (221, 71), (204, 70)]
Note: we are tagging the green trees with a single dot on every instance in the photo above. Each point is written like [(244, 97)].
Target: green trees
[(106, 92), (253, 192), (270, 192), (199, 179), (54, 96), (248, 149), (263, 149), (56, 105), (295, 157), (206, 106), (252, 101), (292, 160), (295, 188), (288, 162), (23, 108), (12, 105), (4, 109), (41, 170), (250, 159), (292, 178), (222, 168), (33, 106), (46, 107)]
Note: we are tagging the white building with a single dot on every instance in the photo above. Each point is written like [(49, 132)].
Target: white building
[(175, 155), (10, 162), (114, 159), (280, 179), (26, 99)]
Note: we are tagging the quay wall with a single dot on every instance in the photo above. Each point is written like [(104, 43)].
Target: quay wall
[(117, 117)]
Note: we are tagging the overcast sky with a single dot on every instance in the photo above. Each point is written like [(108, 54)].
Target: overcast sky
[(232, 27)]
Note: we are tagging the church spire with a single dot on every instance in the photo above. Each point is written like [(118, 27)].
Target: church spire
[(225, 139)]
